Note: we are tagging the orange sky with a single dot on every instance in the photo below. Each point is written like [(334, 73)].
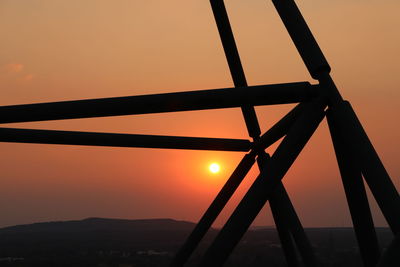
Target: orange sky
[(55, 50)]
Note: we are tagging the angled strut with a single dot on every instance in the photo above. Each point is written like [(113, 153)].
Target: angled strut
[(253, 129)]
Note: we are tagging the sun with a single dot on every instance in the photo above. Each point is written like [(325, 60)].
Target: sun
[(214, 168)]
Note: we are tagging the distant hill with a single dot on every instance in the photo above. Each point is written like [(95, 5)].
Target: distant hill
[(83, 242), (153, 242), (101, 224)]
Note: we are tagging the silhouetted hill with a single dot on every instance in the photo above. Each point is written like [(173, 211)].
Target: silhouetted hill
[(153, 242), (92, 239), (100, 224), (95, 233)]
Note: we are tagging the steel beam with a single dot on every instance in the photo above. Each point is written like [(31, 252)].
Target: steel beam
[(356, 198), (279, 129), (307, 47), (350, 132), (285, 214), (302, 37), (234, 63), (266, 182), (121, 140), (213, 211), (299, 236), (250, 117), (281, 218), (353, 135), (158, 103)]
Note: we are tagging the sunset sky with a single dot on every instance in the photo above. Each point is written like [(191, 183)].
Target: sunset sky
[(53, 50)]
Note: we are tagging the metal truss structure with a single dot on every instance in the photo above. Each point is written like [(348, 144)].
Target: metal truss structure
[(356, 157)]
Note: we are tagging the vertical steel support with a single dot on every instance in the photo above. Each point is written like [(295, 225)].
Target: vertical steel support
[(264, 185), (357, 199), (214, 210)]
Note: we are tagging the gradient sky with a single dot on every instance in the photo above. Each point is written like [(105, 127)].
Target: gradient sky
[(55, 50)]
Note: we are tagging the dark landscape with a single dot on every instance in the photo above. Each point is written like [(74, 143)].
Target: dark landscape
[(153, 242)]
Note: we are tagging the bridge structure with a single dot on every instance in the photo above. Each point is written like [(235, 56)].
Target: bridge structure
[(356, 156)]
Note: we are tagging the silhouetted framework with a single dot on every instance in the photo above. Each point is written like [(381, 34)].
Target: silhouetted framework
[(356, 157)]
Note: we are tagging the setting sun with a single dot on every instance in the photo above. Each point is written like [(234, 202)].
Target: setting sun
[(214, 168)]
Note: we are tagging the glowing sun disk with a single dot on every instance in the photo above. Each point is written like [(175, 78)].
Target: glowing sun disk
[(214, 168)]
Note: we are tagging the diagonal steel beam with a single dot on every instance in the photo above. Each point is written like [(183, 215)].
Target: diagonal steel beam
[(213, 211), (279, 129), (234, 63), (264, 185), (349, 131), (158, 103), (353, 135), (356, 198), (307, 46), (249, 114), (283, 211), (121, 140), (281, 217), (239, 79), (302, 37)]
